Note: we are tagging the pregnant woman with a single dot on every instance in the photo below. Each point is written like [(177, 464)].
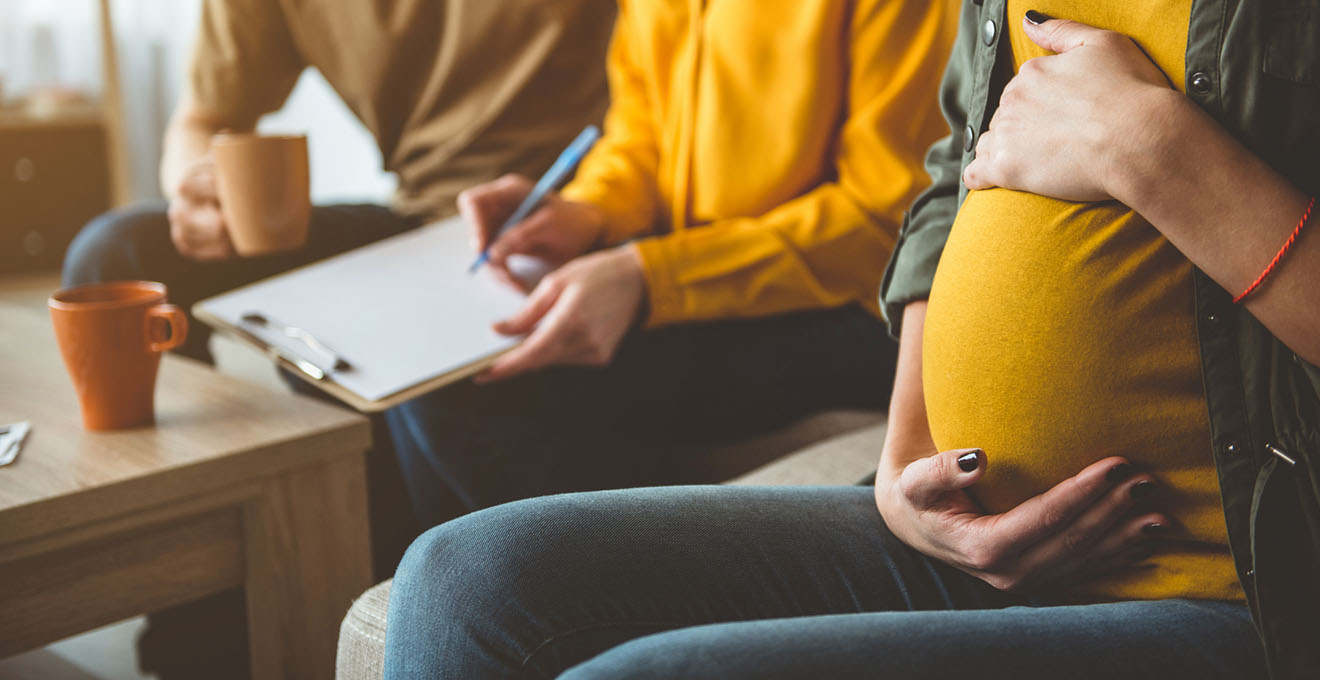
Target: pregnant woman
[(1105, 430)]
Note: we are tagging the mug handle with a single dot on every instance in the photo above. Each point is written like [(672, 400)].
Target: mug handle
[(169, 323)]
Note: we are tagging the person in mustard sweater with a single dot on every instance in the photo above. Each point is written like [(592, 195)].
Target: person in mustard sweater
[(717, 255)]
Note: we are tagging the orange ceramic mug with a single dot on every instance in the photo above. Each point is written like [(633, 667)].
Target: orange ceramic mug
[(111, 336)]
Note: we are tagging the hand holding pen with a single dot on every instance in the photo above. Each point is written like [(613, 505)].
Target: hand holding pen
[(578, 313), (512, 216)]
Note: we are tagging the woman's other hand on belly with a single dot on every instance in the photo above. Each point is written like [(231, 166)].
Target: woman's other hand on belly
[(1085, 526)]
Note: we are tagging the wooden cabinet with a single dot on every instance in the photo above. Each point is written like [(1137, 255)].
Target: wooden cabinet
[(54, 178), (58, 172)]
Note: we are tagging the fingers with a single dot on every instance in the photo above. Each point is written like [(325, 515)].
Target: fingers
[(1042, 516), (198, 230), (1059, 35), (977, 174), (533, 353), (1132, 542), (199, 185), (522, 239), (926, 481), (504, 275), (1102, 532), (197, 226), (485, 207), (541, 348), (577, 315), (540, 302)]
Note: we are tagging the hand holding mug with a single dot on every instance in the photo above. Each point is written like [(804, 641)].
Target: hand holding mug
[(197, 224), (249, 196)]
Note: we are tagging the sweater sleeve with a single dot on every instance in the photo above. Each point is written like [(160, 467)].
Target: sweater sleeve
[(619, 175), (827, 247), (244, 63)]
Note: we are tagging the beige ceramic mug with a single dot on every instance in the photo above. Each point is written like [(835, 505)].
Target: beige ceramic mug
[(265, 192)]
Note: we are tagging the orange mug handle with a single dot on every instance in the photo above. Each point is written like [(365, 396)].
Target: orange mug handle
[(167, 328)]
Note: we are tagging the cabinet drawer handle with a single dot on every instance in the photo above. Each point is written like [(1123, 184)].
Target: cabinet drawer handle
[(25, 170)]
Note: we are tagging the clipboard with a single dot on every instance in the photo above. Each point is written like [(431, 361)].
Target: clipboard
[(379, 325)]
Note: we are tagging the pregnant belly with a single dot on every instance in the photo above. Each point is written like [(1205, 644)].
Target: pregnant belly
[(1058, 334)]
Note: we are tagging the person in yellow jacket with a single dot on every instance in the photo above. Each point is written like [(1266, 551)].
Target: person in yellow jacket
[(738, 211)]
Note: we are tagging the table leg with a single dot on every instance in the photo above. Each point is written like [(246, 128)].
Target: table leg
[(308, 556)]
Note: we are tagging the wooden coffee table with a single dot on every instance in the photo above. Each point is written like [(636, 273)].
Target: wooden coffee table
[(236, 486)]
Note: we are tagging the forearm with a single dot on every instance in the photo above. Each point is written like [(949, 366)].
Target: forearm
[(1228, 212), (187, 139), (908, 434)]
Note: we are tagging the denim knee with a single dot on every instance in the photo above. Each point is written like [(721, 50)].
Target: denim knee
[(450, 602), (110, 247)]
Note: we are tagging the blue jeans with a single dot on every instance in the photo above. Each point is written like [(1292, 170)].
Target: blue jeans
[(729, 582), (677, 388)]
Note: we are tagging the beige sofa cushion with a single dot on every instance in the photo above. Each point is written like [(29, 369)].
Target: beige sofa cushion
[(849, 450), (361, 652), (844, 458)]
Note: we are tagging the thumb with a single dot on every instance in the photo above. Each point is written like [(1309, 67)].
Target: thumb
[(926, 481), (1058, 35)]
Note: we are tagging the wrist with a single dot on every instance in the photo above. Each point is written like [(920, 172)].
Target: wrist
[(628, 259), (592, 219), (1140, 150)]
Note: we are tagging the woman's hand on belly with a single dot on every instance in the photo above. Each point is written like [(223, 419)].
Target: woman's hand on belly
[(1063, 119), (1084, 526)]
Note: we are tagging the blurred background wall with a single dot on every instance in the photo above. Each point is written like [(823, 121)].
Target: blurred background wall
[(54, 45)]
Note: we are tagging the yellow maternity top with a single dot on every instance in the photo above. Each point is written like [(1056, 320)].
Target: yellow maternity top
[(1060, 333)]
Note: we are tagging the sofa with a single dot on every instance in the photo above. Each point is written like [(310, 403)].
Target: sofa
[(832, 448)]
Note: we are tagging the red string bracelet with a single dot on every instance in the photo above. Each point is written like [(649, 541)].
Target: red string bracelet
[(1275, 262)]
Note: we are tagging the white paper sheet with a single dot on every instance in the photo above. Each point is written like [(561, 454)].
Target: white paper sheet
[(402, 311)]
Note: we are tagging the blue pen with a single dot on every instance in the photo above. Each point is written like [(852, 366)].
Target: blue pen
[(562, 168)]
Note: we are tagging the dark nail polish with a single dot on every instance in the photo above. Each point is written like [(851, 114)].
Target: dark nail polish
[(1142, 489), (969, 461), (1119, 473), (1036, 17), (1154, 529)]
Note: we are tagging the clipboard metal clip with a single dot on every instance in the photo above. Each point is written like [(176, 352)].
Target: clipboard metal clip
[(306, 365)]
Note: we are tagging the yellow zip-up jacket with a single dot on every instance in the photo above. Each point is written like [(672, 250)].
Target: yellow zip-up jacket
[(764, 150)]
